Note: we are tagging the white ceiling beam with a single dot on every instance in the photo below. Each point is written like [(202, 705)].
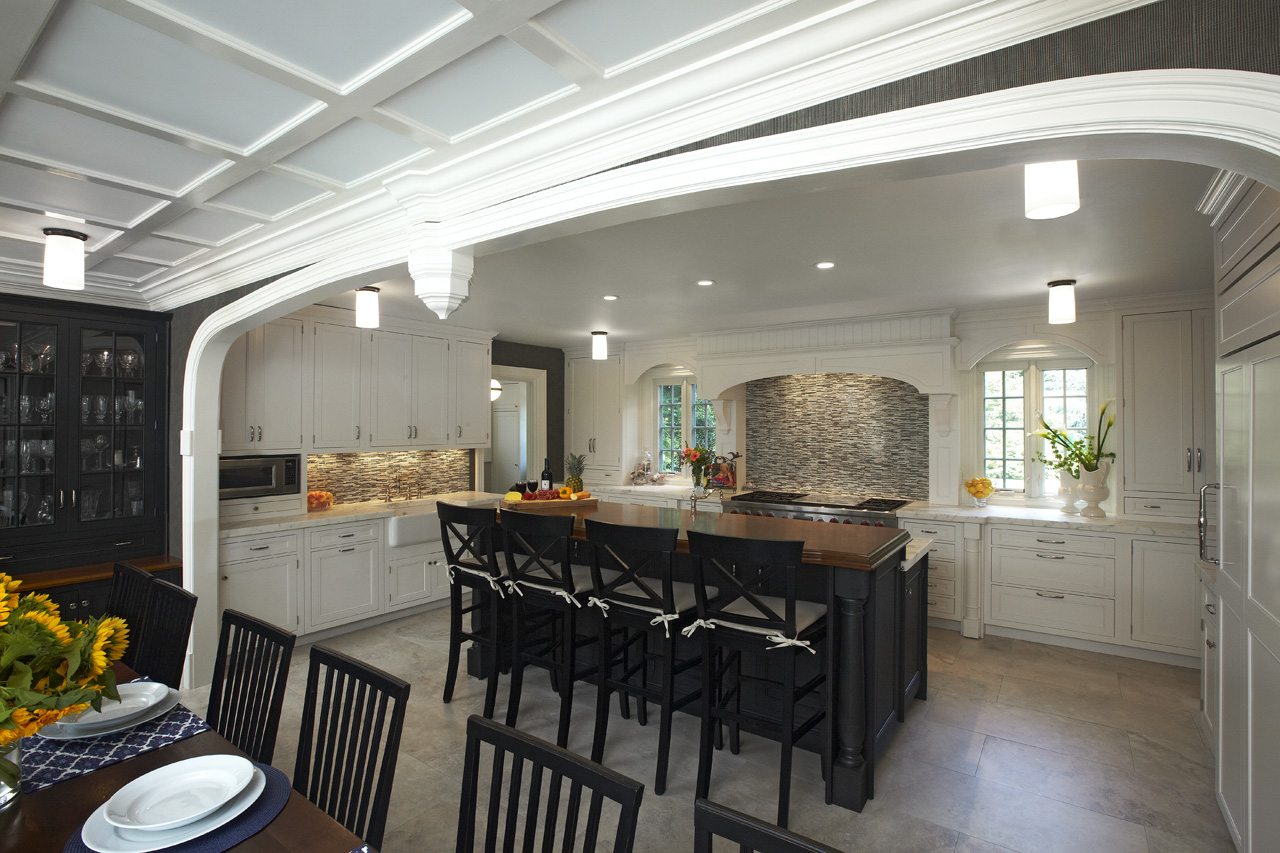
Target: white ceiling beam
[(556, 52), (24, 21)]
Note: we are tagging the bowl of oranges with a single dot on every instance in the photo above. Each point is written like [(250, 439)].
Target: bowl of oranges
[(319, 501), (979, 488)]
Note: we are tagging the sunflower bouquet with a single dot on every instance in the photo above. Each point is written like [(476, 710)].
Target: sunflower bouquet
[(50, 668)]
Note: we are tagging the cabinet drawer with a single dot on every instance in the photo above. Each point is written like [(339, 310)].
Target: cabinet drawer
[(941, 551), (1038, 610), (939, 531), (1054, 540), (1163, 507), (940, 586), (942, 569), (941, 605), (1046, 570), (233, 550), (345, 534)]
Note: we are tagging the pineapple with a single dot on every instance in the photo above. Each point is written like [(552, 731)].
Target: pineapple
[(574, 463)]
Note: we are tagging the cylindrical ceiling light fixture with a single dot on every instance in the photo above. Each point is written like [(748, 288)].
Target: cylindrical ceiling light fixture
[(599, 345), (1062, 301), (1051, 189), (367, 308), (495, 390), (64, 258)]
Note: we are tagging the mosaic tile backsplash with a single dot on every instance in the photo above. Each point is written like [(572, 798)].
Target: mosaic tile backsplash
[(838, 433), (354, 477)]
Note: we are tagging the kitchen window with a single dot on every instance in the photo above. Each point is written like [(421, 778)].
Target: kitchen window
[(1013, 398), (683, 419)]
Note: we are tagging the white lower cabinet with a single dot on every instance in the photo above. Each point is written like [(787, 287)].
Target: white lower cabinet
[(266, 589), (1036, 609), (1166, 595), (416, 579), (940, 596), (343, 584)]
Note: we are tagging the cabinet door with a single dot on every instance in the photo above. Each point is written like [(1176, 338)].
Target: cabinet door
[(276, 402), (430, 391), (912, 637), (391, 388), (608, 414), (471, 375), (580, 378), (343, 584), (1159, 443), (335, 407), (1204, 353), (413, 580), (267, 589), (1166, 594), (233, 417)]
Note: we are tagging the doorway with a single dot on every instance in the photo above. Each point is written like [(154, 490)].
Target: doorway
[(519, 428)]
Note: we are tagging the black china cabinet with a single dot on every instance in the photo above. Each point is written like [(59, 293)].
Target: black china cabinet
[(83, 404)]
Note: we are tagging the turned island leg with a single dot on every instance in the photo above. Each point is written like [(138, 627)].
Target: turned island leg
[(848, 645)]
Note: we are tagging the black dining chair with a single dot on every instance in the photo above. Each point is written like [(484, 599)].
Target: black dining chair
[(469, 536), (635, 592), (166, 629), (352, 718), (712, 820), (541, 811), (737, 616), (130, 590), (249, 676)]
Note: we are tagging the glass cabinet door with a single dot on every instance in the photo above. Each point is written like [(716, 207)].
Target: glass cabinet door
[(28, 423), (112, 442)]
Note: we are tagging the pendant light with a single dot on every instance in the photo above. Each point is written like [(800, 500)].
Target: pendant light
[(599, 345), (1062, 301), (367, 308), (495, 390), (64, 258), (1051, 189)]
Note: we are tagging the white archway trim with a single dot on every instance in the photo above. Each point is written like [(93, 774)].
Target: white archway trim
[(1233, 106)]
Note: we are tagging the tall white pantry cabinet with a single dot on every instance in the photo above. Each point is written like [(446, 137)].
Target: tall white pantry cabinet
[(1242, 565)]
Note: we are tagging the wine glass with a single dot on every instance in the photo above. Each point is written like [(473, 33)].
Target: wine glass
[(86, 408), (101, 443), (120, 409), (130, 407), (101, 408), (89, 504), (128, 361), (44, 515), (45, 449), (103, 360), (25, 451), (86, 451), (45, 407), (4, 360), (24, 409), (86, 361)]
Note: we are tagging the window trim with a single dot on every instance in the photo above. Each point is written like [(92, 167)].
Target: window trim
[(687, 380), (1032, 407)]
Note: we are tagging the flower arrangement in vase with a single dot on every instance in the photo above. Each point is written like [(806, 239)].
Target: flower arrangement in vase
[(49, 669), (1084, 459), (697, 458)]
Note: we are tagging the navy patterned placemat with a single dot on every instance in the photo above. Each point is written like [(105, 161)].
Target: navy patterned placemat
[(265, 809), (46, 762)]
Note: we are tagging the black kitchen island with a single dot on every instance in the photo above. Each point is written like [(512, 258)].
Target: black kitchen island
[(876, 617)]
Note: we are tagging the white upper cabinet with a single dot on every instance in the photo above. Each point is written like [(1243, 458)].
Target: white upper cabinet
[(1168, 392), (262, 389), (594, 418), (471, 374), (391, 390), (336, 384), (431, 391)]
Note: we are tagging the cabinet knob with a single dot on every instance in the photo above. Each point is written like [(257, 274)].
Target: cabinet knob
[(1211, 644), (225, 578), (71, 606), (1213, 611), (84, 603)]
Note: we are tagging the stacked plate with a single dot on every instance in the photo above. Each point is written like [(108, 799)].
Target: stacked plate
[(173, 804), (140, 701)]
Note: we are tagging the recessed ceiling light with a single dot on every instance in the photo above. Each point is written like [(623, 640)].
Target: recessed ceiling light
[(825, 265), (611, 298), (706, 282)]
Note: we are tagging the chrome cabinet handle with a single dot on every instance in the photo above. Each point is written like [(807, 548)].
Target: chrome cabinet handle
[(1188, 459), (931, 532), (1051, 556), (357, 432), (1050, 595), (73, 498), (346, 550), (122, 544), (60, 498), (260, 548), (1202, 526), (1151, 506), (459, 430), (408, 432), (259, 433), (251, 432), (932, 603), (1211, 644), (4, 557), (1213, 611), (1052, 541), (1199, 460), (345, 535)]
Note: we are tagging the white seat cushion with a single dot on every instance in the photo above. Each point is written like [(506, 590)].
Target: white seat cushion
[(581, 578), (807, 613), (682, 595)]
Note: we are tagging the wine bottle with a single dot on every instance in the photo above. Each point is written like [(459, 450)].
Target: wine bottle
[(544, 481)]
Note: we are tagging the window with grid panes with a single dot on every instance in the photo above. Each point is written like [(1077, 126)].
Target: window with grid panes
[(1004, 428), (1064, 401), (1014, 398), (682, 419)]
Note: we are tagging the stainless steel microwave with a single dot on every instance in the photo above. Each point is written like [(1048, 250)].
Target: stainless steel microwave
[(259, 476)]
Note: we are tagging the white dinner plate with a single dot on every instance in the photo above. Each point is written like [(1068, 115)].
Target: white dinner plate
[(179, 793), (58, 732), (135, 698), (101, 836)]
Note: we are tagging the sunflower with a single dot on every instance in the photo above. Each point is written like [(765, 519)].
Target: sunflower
[(98, 651), (118, 638), (42, 601), (51, 624)]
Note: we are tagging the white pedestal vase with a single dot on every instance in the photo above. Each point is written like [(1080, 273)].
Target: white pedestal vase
[(1069, 491), (1094, 490)]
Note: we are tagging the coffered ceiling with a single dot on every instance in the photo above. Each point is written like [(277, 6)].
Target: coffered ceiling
[(183, 132)]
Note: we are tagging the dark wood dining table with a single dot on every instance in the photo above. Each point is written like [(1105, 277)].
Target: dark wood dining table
[(45, 820)]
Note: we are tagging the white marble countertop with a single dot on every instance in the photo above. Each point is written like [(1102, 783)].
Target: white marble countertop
[(679, 491), (1045, 517), (916, 549), (363, 511)]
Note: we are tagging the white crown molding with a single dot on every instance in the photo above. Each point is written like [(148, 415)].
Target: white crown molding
[(1224, 188), (22, 280), (1174, 301)]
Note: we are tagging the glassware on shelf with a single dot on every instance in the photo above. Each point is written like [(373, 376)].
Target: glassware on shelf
[(103, 360), (128, 361), (45, 407), (44, 450), (86, 361), (120, 409), (24, 408), (87, 451), (7, 362), (101, 409), (101, 443), (86, 408), (44, 515), (89, 504), (25, 456)]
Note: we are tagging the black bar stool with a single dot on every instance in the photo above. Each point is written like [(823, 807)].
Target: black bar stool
[(741, 619), (469, 535), (634, 590), (540, 576)]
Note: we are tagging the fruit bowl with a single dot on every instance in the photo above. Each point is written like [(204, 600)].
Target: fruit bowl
[(318, 501)]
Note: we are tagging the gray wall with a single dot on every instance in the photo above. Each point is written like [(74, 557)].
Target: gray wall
[(838, 433), (552, 361)]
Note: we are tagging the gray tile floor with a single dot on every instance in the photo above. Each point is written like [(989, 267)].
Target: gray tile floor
[(1021, 746)]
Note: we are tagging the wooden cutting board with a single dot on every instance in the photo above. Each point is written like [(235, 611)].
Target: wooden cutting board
[(551, 506)]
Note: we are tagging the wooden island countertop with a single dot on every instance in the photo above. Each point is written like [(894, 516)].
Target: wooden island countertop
[(844, 546)]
